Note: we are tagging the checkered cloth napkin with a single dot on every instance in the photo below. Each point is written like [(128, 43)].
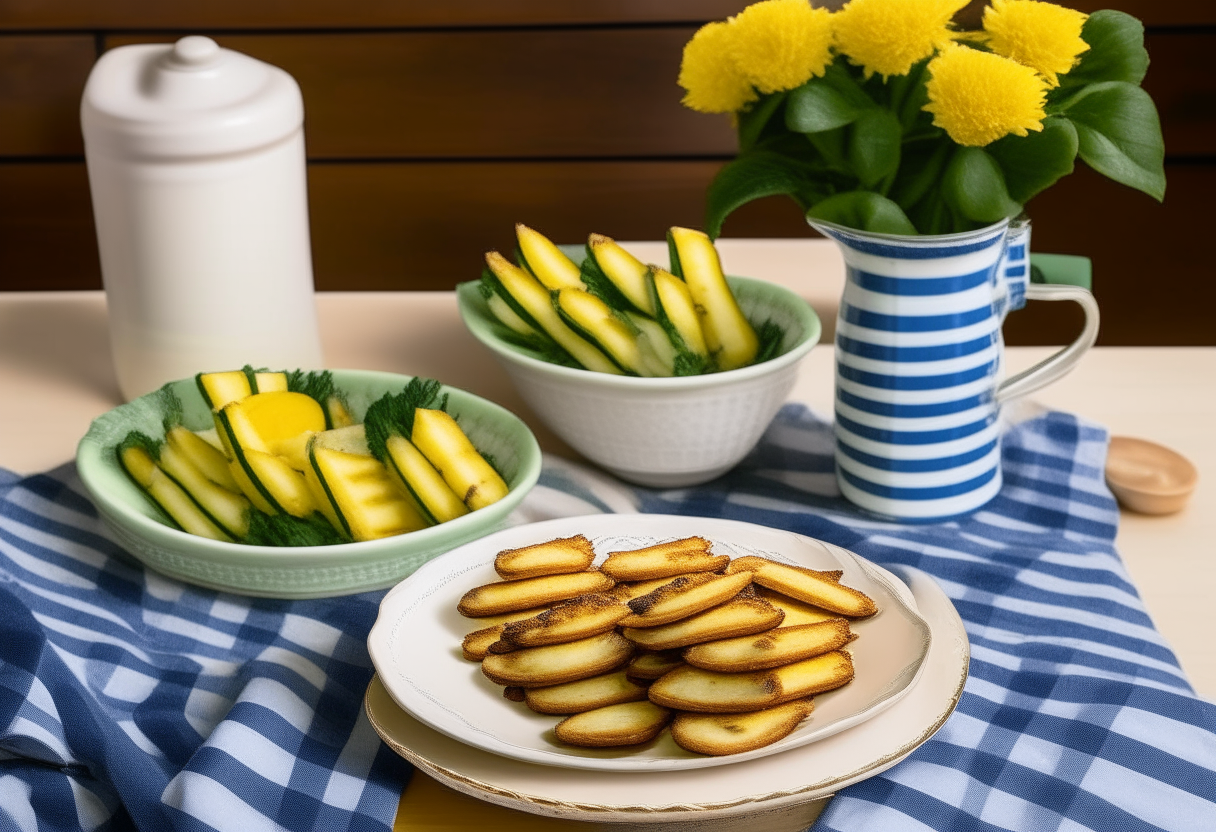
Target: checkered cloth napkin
[(129, 700)]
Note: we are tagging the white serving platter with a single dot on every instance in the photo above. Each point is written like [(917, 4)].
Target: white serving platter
[(747, 791), (415, 644)]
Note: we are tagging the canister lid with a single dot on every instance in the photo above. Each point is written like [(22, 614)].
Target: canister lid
[(191, 98)]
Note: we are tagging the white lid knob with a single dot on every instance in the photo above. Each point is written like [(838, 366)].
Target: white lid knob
[(195, 51)]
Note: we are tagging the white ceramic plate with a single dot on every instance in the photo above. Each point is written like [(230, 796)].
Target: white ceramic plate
[(415, 643), (751, 793)]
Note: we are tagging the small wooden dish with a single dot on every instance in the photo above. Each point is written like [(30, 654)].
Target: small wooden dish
[(1147, 477)]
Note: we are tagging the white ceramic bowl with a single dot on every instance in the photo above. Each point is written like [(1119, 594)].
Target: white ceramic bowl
[(662, 432)]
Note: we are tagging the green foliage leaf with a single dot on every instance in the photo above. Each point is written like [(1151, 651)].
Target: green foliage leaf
[(973, 185), (1116, 52), (600, 285), (865, 211), (318, 384), (919, 172), (285, 530), (748, 177), (752, 122), (393, 413), (771, 336), (817, 106), (874, 146), (830, 145), (141, 440), (1119, 134), (1036, 161)]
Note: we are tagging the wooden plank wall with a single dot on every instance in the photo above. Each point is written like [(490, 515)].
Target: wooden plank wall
[(433, 127)]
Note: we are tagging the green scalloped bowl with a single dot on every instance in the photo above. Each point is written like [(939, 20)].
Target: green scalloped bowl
[(304, 571)]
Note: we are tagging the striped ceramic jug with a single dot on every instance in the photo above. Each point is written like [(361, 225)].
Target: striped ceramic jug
[(919, 365)]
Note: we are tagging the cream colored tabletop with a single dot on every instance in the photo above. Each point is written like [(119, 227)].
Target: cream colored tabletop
[(55, 376)]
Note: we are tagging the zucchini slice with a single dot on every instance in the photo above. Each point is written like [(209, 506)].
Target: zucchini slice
[(464, 469), (677, 312), (267, 382), (729, 336), (283, 486), (546, 261), (227, 510), (338, 413), (364, 498), (321, 499), (594, 320), (534, 299), (171, 497), (250, 489), (294, 451), (433, 495), (506, 315), (221, 389), (207, 458), (658, 353), (626, 272), (279, 415), (268, 481), (184, 511)]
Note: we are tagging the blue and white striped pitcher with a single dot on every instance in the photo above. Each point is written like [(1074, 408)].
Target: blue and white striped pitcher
[(919, 365)]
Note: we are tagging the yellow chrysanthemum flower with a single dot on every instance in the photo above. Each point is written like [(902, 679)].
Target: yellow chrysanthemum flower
[(780, 44), (709, 77), (979, 97), (888, 36), (1041, 35)]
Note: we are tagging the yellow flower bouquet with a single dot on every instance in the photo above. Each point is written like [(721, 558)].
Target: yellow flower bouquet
[(883, 117)]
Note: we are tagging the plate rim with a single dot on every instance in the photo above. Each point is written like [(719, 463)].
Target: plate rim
[(643, 813), (436, 576)]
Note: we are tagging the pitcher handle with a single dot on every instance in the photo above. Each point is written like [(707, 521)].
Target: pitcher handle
[(1060, 364)]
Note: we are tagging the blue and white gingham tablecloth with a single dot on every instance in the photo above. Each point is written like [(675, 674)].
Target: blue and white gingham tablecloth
[(132, 701)]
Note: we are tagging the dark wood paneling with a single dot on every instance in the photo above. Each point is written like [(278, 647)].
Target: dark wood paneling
[(425, 226), (1151, 12), (395, 226), (1183, 86), (575, 94), (1155, 12), (1152, 262), (46, 228), (494, 94), (309, 14), (41, 79)]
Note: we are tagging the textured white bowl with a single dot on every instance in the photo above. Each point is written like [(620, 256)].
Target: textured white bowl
[(662, 432)]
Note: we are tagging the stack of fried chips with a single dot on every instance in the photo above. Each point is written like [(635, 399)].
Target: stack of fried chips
[(728, 652)]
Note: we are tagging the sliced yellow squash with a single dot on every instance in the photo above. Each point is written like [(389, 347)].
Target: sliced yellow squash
[(250, 490), (421, 479), (221, 389), (594, 320), (366, 501), (205, 457), (626, 272), (279, 415), (466, 472), (266, 382), (534, 299), (282, 485), (229, 511), (546, 261), (142, 468), (676, 307), (729, 336)]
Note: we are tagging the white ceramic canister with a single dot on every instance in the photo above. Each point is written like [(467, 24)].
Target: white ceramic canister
[(196, 165)]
